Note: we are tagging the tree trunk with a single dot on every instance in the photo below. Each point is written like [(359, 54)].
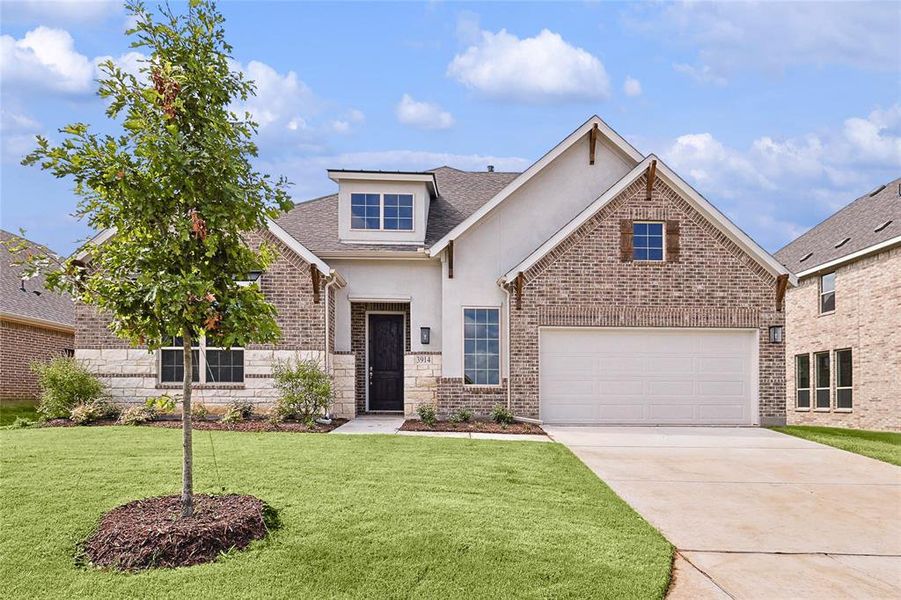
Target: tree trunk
[(187, 468)]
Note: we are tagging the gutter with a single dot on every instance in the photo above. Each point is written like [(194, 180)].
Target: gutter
[(37, 322), (851, 257)]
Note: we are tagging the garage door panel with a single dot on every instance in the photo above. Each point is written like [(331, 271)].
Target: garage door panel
[(647, 376)]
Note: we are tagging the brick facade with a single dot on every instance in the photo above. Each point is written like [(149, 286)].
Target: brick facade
[(867, 320), (358, 312), (20, 345), (454, 395), (583, 282)]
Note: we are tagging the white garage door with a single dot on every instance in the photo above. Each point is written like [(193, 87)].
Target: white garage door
[(648, 376)]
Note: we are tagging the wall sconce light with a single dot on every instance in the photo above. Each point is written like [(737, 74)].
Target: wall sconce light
[(776, 334), (425, 335), (251, 278)]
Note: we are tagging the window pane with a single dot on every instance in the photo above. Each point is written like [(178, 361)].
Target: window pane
[(640, 229), (655, 229), (364, 211), (224, 366), (827, 303), (647, 241), (803, 399), (843, 398), (822, 363), (823, 398), (481, 346), (172, 369), (398, 212), (802, 371), (827, 283), (843, 364)]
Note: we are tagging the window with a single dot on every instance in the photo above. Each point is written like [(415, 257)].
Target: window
[(365, 211), (821, 360), (481, 346), (802, 381), (647, 241), (217, 364), (827, 293), (843, 380), (376, 211)]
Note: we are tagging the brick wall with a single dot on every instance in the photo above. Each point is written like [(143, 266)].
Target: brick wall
[(358, 312), (454, 395), (867, 320), (20, 345), (583, 282)]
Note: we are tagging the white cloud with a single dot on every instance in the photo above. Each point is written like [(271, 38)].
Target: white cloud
[(777, 188), (282, 101), (732, 36), (45, 58), (701, 74), (632, 87), (423, 115), (544, 68)]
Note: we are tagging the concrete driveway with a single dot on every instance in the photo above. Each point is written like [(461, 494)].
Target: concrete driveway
[(754, 513)]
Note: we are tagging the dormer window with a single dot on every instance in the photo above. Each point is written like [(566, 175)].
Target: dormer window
[(381, 211)]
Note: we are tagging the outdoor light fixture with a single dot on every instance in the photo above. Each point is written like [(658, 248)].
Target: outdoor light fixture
[(425, 335), (776, 333), (252, 277)]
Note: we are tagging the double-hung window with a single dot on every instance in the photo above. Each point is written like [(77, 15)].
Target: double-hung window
[(209, 364), (827, 293), (843, 379), (392, 212), (481, 346), (823, 380), (802, 381), (647, 241)]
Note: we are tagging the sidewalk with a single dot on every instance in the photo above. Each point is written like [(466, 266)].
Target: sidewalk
[(388, 424)]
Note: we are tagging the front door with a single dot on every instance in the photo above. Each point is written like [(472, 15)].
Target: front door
[(386, 362)]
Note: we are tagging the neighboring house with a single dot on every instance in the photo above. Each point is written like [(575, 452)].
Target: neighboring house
[(595, 287), (35, 324), (843, 321)]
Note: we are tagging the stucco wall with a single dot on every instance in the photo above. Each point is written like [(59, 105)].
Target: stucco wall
[(867, 319), (420, 211)]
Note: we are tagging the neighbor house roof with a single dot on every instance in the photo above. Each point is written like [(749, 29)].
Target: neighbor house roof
[(35, 304), (315, 223), (871, 222)]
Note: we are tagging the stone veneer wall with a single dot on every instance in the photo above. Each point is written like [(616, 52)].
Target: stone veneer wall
[(22, 344), (358, 312), (343, 369), (422, 370), (867, 319), (583, 282)]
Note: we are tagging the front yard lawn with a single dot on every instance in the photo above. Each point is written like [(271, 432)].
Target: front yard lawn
[(881, 445), (10, 410), (362, 516)]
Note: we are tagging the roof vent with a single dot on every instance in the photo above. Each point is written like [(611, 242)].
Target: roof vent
[(843, 242), (806, 256), (36, 292), (22, 286), (877, 190), (883, 226), (491, 168)]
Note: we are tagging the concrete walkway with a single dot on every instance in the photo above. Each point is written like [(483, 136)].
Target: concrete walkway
[(754, 513), (391, 424)]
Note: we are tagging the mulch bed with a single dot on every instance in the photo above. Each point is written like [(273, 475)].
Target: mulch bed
[(251, 425), (150, 533), (473, 427)]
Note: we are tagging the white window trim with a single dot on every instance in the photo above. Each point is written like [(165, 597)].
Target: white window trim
[(201, 365), (844, 387), (822, 293), (500, 348), (816, 372), (810, 396), (382, 211), (662, 241)]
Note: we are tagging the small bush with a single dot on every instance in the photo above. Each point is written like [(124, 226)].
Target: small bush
[(305, 391), (91, 412), (463, 415), (160, 405), (22, 423), (501, 415), (135, 415), (65, 383), (237, 411), (427, 414), (199, 411)]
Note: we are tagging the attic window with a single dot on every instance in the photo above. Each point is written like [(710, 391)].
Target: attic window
[(883, 226), (843, 242), (806, 256)]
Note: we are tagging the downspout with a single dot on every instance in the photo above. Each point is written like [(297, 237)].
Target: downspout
[(328, 361), (507, 353)]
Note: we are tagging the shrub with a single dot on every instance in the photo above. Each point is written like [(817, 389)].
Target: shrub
[(463, 415), (89, 412), (237, 411), (65, 383), (135, 415), (22, 423), (305, 391), (199, 411), (427, 414), (160, 405), (501, 415)]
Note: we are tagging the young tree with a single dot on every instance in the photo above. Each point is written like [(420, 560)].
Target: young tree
[(178, 190)]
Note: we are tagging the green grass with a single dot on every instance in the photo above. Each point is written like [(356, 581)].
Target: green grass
[(881, 445), (10, 410), (362, 517)]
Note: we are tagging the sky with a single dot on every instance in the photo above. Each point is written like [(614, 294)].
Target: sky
[(778, 113)]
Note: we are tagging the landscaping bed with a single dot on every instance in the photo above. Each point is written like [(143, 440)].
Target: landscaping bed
[(210, 425), (151, 533), (475, 426)]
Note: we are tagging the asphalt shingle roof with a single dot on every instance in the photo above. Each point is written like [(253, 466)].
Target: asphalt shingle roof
[(47, 306), (315, 223), (858, 221)]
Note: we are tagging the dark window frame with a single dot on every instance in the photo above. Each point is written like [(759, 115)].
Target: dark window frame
[(802, 391), (822, 391), (171, 365), (844, 390)]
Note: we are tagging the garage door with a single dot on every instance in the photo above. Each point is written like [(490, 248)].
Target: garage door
[(648, 376)]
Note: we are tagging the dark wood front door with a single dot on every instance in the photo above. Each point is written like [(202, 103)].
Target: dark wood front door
[(386, 362)]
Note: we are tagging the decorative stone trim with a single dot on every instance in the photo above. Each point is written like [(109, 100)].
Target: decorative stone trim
[(421, 373)]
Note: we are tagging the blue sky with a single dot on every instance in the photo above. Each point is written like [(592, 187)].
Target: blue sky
[(779, 113)]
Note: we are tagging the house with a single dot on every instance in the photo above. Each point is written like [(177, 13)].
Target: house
[(35, 324), (595, 287), (843, 320)]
